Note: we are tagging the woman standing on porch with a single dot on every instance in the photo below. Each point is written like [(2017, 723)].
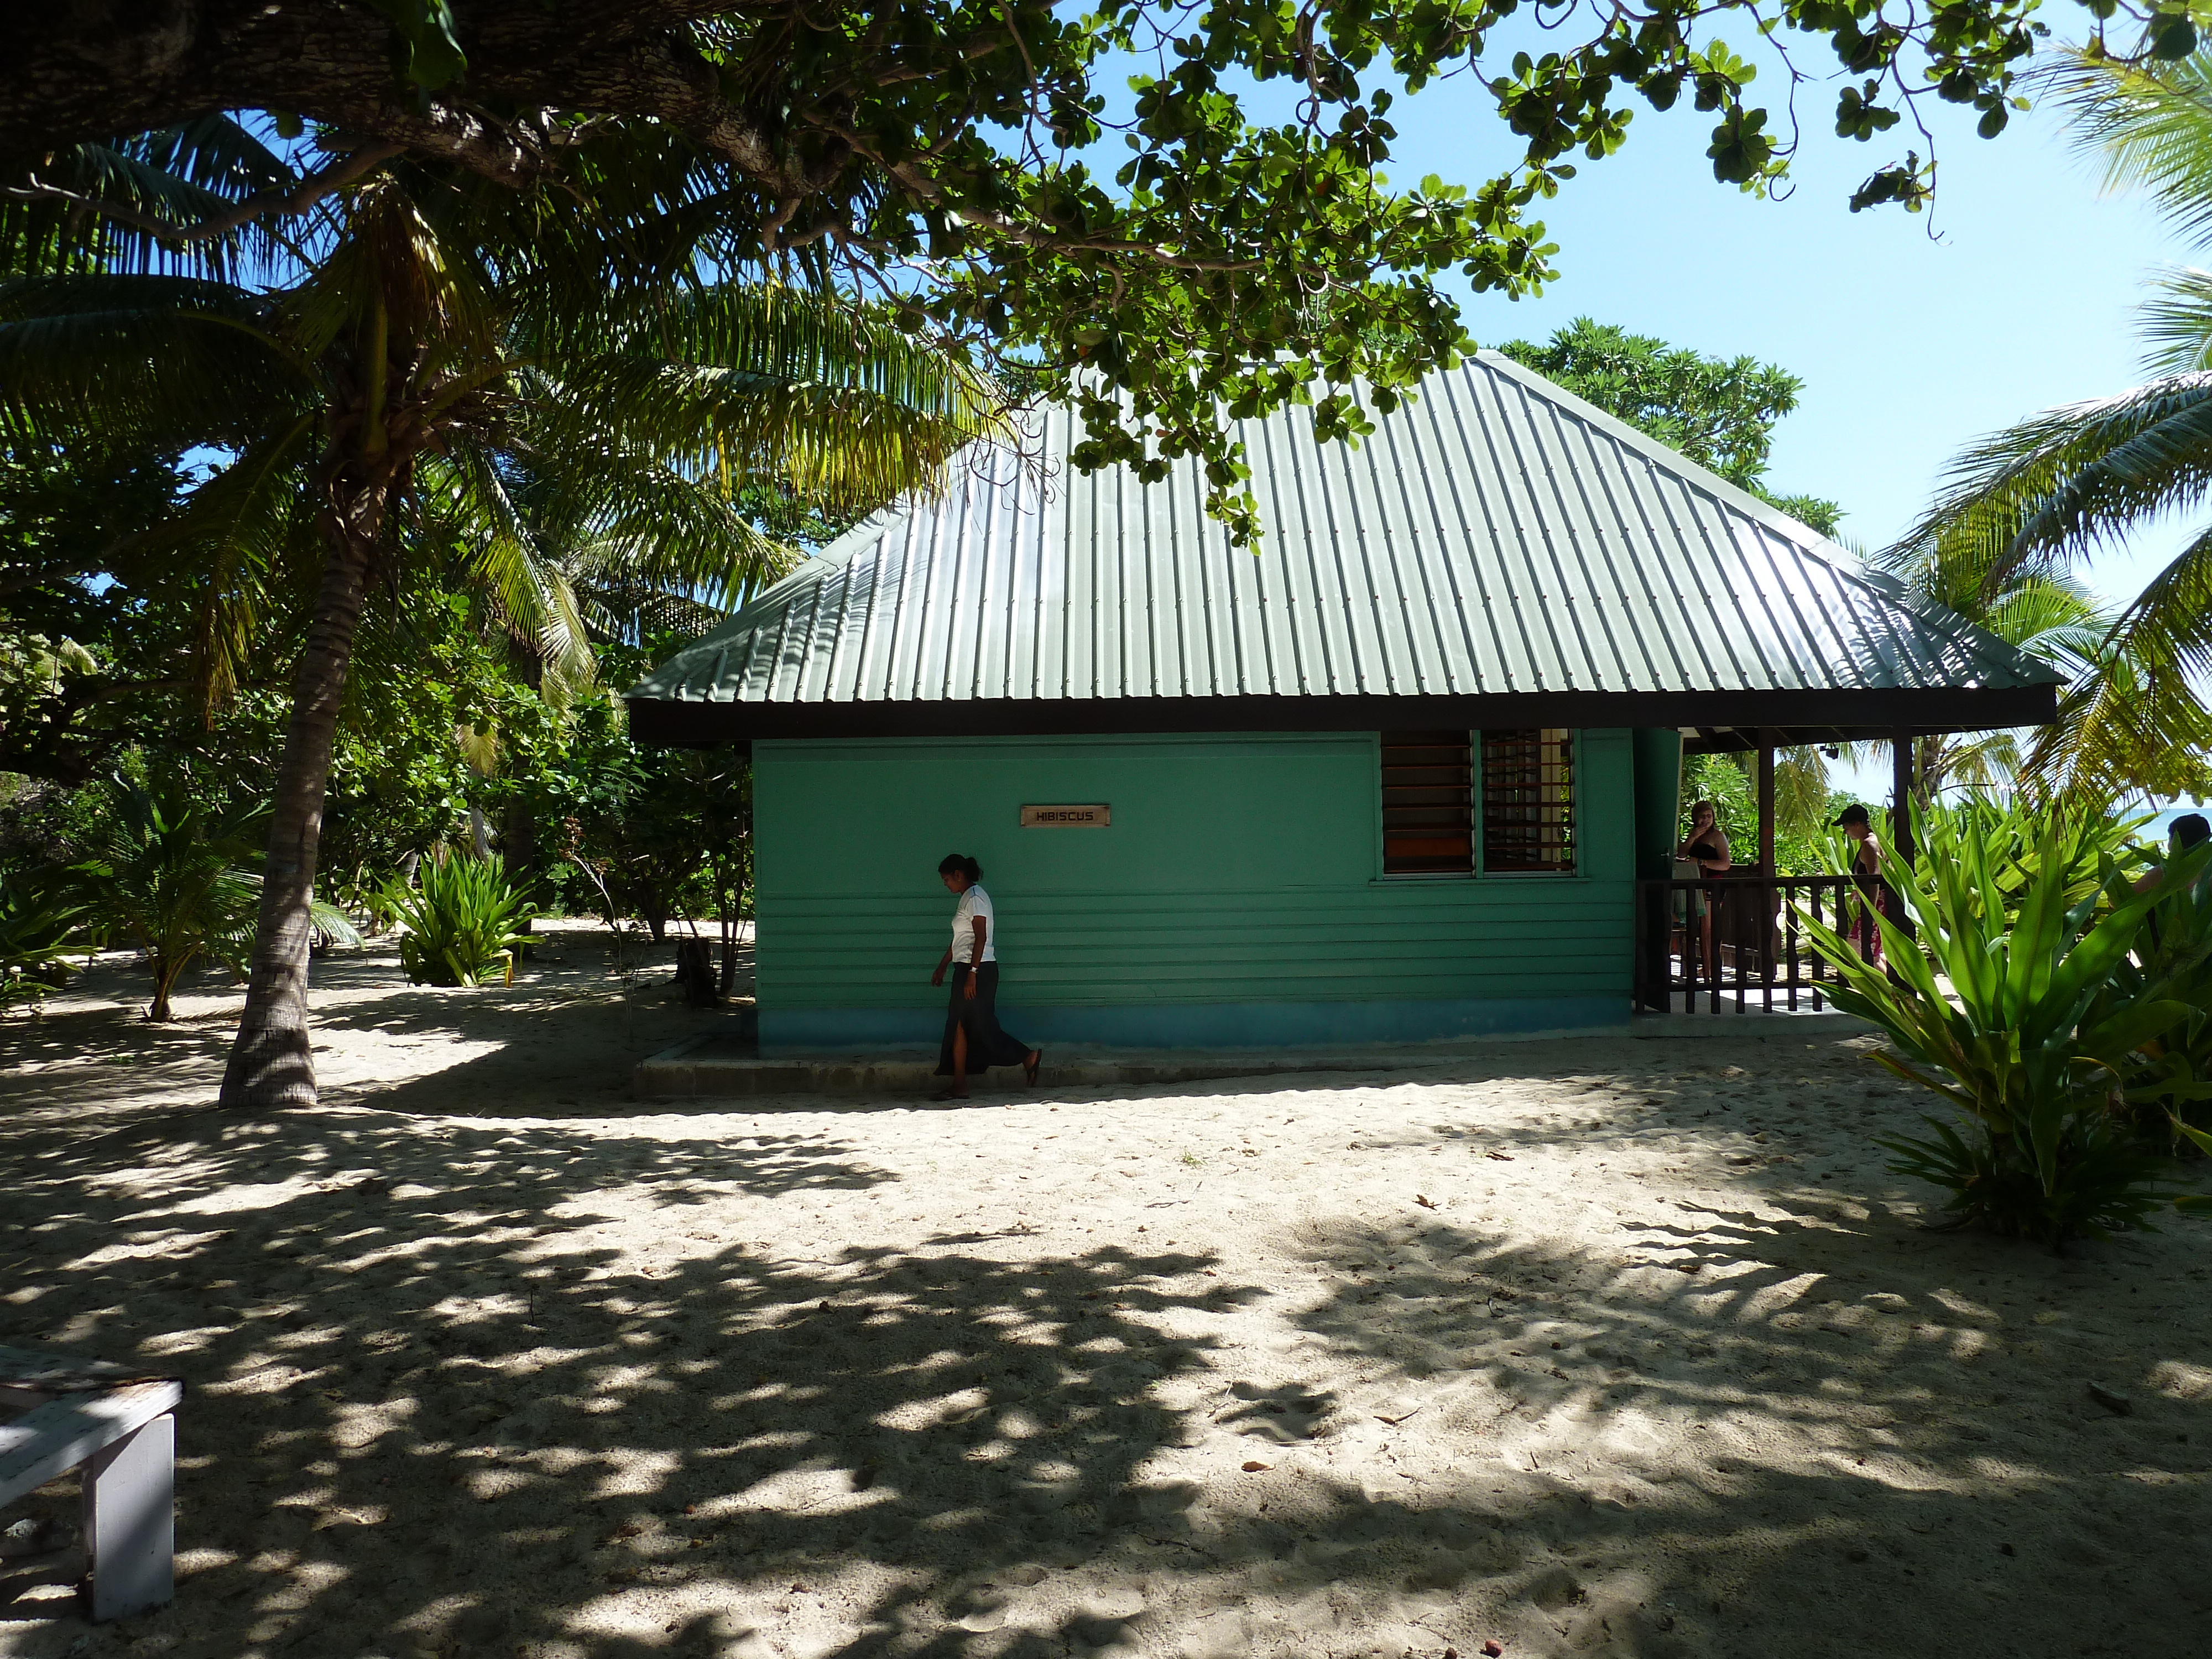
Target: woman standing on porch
[(1705, 851), (972, 1035), (1867, 857)]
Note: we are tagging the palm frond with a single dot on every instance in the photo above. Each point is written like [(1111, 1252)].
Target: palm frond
[(160, 182), (2165, 631), (2052, 619), (2034, 499), (815, 393), (242, 534), (161, 361), (621, 607), (2176, 322), (2133, 721), (639, 214), (618, 511), (2151, 125), (2119, 736), (1801, 789), (1985, 761)]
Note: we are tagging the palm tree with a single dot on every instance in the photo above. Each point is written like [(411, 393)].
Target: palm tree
[(2031, 504), (2052, 619), (405, 352)]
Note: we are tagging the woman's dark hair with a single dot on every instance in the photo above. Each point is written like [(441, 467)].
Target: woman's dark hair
[(961, 862)]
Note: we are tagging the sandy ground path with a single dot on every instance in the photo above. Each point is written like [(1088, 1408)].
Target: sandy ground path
[(1596, 1347)]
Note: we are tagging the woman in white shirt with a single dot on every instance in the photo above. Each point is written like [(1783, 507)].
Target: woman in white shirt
[(972, 1035)]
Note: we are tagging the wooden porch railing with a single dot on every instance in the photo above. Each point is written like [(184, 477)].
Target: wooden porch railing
[(1738, 940)]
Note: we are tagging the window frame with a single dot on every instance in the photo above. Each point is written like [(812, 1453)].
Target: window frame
[(1572, 741), (1476, 817)]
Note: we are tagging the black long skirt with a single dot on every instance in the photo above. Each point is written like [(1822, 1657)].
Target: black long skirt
[(989, 1044)]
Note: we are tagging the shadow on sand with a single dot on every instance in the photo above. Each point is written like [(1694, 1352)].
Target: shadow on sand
[(478, 1432)]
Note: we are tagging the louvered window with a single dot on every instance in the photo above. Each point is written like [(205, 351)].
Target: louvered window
[(1529, 802), (1428, 804)]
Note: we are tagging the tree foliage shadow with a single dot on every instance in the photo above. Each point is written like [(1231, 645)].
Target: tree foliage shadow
[(1750, 1433), (427, 1329), (91, 1055), (477, 1428)]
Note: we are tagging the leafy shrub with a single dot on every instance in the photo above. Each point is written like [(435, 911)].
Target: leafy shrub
[(170, 877), (2168, 1081), (2091, 847), (2101, 1179), (357, 891), (2033, 1037), (460, 923), (36, 924)]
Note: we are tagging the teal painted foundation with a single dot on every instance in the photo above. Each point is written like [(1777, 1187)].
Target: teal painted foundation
[(1237, 900), (1197, 1025)]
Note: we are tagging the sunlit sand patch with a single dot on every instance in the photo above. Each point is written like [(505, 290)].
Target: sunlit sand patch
[(2180, 1380)]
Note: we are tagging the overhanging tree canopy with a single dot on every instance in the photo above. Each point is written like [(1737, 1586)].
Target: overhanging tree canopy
[(963, 155), (496, 371)]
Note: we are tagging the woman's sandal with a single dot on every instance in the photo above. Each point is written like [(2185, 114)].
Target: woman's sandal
[(1029, 1067)]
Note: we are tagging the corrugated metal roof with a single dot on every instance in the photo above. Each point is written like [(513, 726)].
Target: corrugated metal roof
[(1496, 537)]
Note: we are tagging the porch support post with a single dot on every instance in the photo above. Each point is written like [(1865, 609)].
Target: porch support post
[(1769, 907), (1900, 832), (1766, 807), (1900, 822)]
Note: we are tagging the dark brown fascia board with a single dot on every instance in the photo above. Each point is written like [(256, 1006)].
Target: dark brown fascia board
[(1808, 716)]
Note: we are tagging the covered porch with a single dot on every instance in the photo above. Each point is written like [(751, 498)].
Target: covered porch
[(1737, 942)]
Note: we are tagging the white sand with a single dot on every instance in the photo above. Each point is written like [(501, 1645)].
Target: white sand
[(1595, 1347)]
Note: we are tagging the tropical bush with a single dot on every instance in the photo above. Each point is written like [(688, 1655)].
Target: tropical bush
[(461, 923), (2094, 848), (2167, 1082), (35, 927), (2011, 1005), (171, 876)]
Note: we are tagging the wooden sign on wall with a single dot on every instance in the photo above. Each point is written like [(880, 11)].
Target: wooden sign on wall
[(1097, 815)]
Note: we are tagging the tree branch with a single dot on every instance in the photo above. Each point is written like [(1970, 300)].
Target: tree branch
[(927, 188)]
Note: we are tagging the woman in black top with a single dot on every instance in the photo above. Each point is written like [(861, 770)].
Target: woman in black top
[(1707, 846)]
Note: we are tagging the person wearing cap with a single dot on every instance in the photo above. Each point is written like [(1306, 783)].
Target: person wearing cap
[(2190, 830), (1866, 863)]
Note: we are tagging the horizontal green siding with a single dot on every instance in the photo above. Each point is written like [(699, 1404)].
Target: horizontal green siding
[(1238, 870)]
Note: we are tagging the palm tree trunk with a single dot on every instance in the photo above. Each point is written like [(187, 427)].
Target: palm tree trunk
[(272, 1064), (164, 976), (518, 838)]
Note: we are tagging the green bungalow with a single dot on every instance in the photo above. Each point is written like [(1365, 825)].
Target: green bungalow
[(1394, 776)]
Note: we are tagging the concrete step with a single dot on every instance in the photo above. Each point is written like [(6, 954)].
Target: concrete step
[(727, 1064), (717, 1066)]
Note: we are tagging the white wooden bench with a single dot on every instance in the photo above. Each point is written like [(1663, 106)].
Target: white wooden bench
[(117, 1424)]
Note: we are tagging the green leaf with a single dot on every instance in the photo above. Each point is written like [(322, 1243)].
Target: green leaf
[(1741, 150), (434, 52), (2172, 37)]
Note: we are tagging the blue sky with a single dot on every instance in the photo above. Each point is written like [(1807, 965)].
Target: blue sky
[(1909, 347)]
